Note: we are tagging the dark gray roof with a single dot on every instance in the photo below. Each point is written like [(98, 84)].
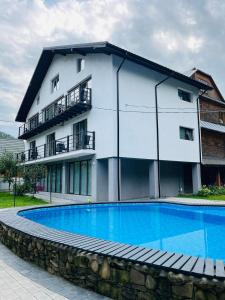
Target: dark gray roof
[(11, 145), (100, 47)]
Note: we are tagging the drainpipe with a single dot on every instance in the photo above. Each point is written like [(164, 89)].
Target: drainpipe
[(157, 129), (199, 130), (118, 125)]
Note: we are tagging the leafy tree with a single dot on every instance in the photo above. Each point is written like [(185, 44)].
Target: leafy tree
[(8, 167), (32, 174)]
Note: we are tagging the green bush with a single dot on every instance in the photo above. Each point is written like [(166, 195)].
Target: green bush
[(204, 191), (21, 189), (211, 190)]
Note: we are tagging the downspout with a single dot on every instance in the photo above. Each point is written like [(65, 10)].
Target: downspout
[(118, 125), (157, 129), (199, 131)]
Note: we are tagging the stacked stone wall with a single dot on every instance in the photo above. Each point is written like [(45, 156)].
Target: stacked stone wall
[(112, 277)]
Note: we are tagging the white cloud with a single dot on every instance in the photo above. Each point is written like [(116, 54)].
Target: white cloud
[(153, 29), (167, 40), (174, 42), (195, 43)]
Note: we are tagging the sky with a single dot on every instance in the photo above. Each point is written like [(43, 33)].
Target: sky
[(180, 34)]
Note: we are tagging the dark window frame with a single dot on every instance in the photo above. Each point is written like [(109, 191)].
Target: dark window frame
[(55, 88), (38, 99), (55, 167), (191, 131), (33, 119), (184, 95), (80, 64), (80, 178)]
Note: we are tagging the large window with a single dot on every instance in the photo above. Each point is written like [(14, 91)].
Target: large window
[(33, 122), (50, 145), (80, 93), (80, 139), (54, 178), (33, 150), (186, 134), (80, 177)]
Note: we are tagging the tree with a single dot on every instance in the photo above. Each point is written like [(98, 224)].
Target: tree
[(8, 167), (32, 174)]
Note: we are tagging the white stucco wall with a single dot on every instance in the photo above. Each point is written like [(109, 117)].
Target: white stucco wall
[(173, 113), (137, 128), (100, 118)]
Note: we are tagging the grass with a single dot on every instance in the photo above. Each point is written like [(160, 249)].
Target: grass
[(6, 200), (210, 197)]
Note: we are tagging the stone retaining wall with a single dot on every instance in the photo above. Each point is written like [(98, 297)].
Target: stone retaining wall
[(118, 279)]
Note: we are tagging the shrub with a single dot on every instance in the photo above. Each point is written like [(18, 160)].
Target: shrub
[(22, 189), (204, 191), (211, 190)]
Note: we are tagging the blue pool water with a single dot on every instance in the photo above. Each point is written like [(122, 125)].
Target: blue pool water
[(193, 230)]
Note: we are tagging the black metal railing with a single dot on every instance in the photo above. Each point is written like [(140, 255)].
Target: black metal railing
[(78, 96), (78, 141)]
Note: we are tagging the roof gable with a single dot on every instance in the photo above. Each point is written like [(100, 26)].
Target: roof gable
[(201, 76), (100, 47)]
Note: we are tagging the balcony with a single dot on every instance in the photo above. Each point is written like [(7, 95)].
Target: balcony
[(79, 141), (77, 101)]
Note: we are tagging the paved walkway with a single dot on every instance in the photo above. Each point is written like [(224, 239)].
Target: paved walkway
[(194, 201), (20, 280), (56, 200)]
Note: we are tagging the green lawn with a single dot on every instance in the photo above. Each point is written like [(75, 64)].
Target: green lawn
[(211, 197), (6, 200)]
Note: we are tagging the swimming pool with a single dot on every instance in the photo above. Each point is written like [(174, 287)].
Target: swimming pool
[(192, 230)]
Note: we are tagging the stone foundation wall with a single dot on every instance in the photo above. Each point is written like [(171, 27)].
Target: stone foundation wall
[(118, 279)]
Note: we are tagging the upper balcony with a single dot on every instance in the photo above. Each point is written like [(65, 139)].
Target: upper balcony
[(77, 101)]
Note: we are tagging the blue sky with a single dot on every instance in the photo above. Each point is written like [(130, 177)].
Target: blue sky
[(180, 35)]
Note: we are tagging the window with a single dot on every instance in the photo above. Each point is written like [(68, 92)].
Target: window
[(184, 95), (50, 146), (80, 93), (54, 178), (80, 177), (80, 135), (33, 122), (32, 151), (55, 84), (186, 134), (80, 64), (38, 99)]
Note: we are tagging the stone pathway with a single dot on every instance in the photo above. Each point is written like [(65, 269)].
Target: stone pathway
[(20, 280)]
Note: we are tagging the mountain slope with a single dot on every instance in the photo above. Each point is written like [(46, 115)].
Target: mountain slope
[(4, 135)]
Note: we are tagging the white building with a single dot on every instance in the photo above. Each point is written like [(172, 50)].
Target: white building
[(94, 116)]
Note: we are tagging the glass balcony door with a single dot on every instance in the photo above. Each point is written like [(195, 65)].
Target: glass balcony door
[(79, 135), (50, 144)]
